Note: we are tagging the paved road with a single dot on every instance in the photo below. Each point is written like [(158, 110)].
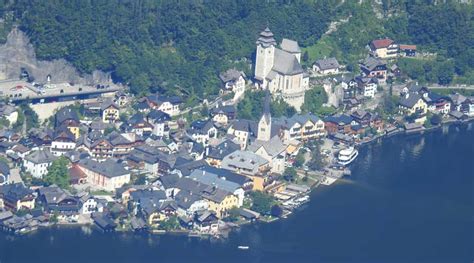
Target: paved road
[(15, 176)]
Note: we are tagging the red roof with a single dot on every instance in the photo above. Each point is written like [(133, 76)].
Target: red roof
[(381, 43), (408, 47)]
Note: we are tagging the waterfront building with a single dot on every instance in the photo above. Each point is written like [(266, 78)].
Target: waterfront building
[(108, 175), (15, 197)]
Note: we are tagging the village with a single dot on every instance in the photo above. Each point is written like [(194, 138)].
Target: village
[(127, 163)]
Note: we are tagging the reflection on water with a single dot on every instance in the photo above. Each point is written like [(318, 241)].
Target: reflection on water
[(418, 147)]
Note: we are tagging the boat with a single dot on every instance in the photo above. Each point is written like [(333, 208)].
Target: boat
[(243, 247), (346, 156)]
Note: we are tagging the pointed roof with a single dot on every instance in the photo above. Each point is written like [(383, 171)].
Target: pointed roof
[(266, 38), (290, 46)]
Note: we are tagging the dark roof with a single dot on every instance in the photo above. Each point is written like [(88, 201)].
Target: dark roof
[(15, 192), (110, 168), (226, 110), (409, 100), (370, 63), (227, 175), (41, 156), (230, 75), (266, 38), (342, 119), (65, 114), (328, 63), (4, 168), (158, 116), (200, 126), (157, 99), (223, 149)]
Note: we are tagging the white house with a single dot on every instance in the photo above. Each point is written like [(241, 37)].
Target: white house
[(108, 175), (234, 81), (37, 162), (202, 131), (326, 66)]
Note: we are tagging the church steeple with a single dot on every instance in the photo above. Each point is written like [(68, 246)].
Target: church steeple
[(266, 38), (265, 123)]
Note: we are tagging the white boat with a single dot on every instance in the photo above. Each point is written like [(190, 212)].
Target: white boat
[(346, 156), (243, 247)]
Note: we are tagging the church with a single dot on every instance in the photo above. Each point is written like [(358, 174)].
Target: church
[(279, 69)]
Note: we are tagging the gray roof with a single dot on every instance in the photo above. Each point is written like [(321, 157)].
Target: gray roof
[(286, 63), (41, 156), (290, 46), (266, 38), (371, 63), (409, 100), (328, 63), (230, 75), (213, 179), (110, 168), (273, 147), (243, 160)]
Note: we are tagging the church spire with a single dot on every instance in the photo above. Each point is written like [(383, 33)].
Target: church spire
[(265, 123), (266, 38)]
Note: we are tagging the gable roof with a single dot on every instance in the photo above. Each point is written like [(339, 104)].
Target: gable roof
[(65, 114), (110, 168), (286, 63), (231, 75), (381, 43), (40, 156), (289, 45), (328, 63), (409, 100)]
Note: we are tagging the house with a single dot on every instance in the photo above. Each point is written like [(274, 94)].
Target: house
[(9, 112), (15, 197), (383, 48), (37, 162), (367, 86), (63, 141), (121, 99), (160, 122), (327, 66), (234, 81), (108, 175), (243, 131), (202, 131), (68, 117), (279, 69), (153, 205), (138, 125), (223, 114), (374, 68), (60, 202), (215, 154), (168, 105), (411, 103), (90, 204), (151, 159), (463, 104), (206, 221), (4, 173), (407, 50), (437, 103), (339, 124), (301, 127), (217, 178), (110, 111), (249, 164), (273, 150)]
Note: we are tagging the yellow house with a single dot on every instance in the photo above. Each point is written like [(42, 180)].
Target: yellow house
[(110, 112), (74, 129), (220, 201), (411, 103)]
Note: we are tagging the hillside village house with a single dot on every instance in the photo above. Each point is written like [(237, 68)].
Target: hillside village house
[(110, 111), (37, 162), (223, 114), (249, 164), (169, 105), (326, 66), (215, 154), (160, 122), (68, 117), (463, 104), (202, 131), (63, 141), (383, 48), (234, 81), (108, 175), (374, 68), (367, 86), (407, 50), (279, 69), (15, 197), (243, 131), (411, 103)]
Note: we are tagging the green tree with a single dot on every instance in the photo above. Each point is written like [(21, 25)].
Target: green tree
[(58, 173), (299, 159), (171, 223), (261, 202), (290, 174), (276, 211)]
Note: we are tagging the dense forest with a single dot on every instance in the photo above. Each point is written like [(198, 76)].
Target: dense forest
[(181, 46)]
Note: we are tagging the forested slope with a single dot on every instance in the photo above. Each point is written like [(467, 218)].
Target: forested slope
[(158, 44)]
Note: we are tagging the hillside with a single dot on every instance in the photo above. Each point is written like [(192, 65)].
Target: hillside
[(158, 45)]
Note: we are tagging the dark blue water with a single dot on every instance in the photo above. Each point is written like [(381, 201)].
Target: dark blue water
[(410, 199)]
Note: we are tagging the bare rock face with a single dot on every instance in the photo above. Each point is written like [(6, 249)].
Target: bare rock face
[(18, 53)]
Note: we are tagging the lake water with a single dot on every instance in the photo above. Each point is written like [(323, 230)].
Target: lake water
[(409, 199)]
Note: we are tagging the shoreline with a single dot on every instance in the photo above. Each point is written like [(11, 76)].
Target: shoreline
[(227, 226)]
